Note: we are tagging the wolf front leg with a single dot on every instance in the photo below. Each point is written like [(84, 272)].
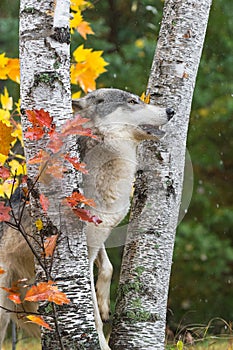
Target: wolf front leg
[(103, 283), (93, 252)]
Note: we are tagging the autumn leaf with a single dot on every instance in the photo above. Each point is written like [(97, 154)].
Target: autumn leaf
[(77, 198), (13, 293), (39, 157), (38, 320), (76, 164), (4, 173), (39, 117), (34, 133), (39, 224), (50, 245), (6, 138), (145, 98), (44, 201), (89, 65), (13, 69), (8, 187), (2, 271), (85, 215), (3, 66), (46, 291), (6, 101), (75, 5), (4, 212), (17, 168), (70, 125), (55, 142)]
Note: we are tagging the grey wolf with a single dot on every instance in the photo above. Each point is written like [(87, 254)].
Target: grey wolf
[(121, 121)]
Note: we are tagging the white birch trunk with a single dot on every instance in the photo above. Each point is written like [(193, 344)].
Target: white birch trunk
[(45, 83), (140, 317)]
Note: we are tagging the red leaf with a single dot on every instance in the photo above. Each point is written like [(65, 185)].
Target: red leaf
[(76, 164), (41, 155), (50, 245), (85, 215), (34, 133), (40, 117), (38, 320), (4, 212), (44, 201), (4, 173), (74, 127), (46, 291), (77, 198), (55, 144)]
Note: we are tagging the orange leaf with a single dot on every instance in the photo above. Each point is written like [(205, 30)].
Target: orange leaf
[(50, 245), (44, 201), (15, 298), (39, 320), (2, 271), (46, 291), (55, 144), (76, 164), (84, 28), (85, 215), (4, 212), (40, 117), (6, 138), (77, 197)]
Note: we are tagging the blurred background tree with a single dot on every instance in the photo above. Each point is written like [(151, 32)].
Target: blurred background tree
[(202, 275)]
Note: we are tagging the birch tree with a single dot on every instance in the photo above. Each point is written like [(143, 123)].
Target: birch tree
[(45, 83), (140, 317)]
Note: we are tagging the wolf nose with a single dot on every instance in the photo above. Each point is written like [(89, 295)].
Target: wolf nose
[(170, 113)]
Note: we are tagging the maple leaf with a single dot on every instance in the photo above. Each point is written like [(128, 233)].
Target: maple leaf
[(13, 69), (3, 66), (85, 215), (6, 138), (74, 127), (4, 173), (50, 245), (17, 168), (6, 101), (46, 291), (39, 224), (13, 293), (77, 198), (8, 187), (34, 133), (40, 157), (39, 320), (4, 212), (84, 29), (44, 201), (89, 66), (40, 117), (55, 142), (2, 271), (76, 164), (76, 4)]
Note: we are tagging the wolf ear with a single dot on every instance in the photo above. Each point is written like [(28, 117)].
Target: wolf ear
[(78, 104)]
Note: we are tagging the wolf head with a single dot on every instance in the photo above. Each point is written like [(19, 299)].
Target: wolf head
[(113, 111)]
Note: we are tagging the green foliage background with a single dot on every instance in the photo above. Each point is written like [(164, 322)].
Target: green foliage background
[(202, 274)]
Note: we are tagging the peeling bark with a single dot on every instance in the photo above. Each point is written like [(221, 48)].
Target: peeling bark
[(45, 83), (140, 318)]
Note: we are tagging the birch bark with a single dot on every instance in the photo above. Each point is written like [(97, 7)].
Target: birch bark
[(45, 83), (140, 316)]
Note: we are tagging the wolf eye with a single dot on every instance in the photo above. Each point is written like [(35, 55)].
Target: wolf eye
[(100, 100), (132, 101)]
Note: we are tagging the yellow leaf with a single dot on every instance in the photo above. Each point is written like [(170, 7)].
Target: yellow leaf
[(39, 224), (3, 158), (76, 95), (13, 66), (17, 168), (18, 106), (3, 66), (8, 187), (77, 4), (6, 101), (89, 66), (5, 117), (180, 345), (6, 138), (17, 133)]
